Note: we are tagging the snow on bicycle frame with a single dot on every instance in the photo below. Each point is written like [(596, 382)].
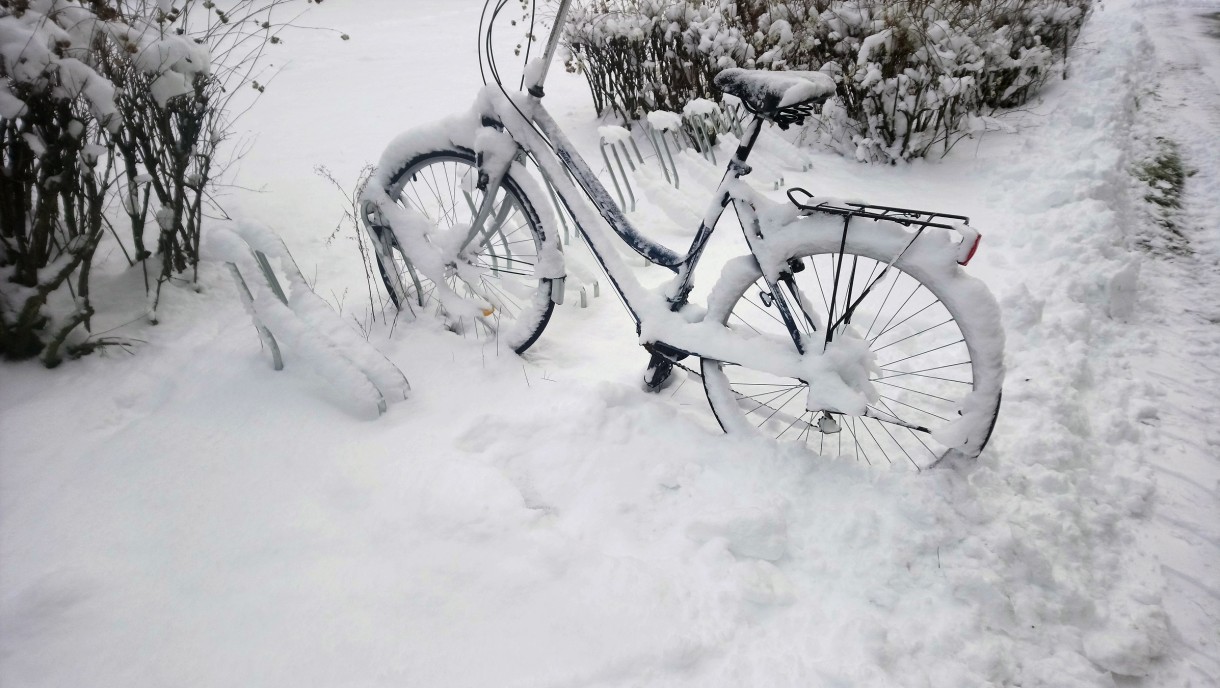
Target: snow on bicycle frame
[(833, 362)]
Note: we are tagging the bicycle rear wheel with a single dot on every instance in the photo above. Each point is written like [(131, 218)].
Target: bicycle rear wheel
[(441, 184), (933, 334)]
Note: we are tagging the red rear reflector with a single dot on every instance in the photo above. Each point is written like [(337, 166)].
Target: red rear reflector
[(974, 247)]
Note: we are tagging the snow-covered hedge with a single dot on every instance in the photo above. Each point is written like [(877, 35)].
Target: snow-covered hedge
[(645, 55), (111, 115), (913, 75), (56, 113)]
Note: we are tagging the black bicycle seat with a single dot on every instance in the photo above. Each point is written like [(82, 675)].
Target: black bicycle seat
[(765, 92)]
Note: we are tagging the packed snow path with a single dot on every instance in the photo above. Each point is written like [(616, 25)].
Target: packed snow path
[(1181, 321), (188, 517)]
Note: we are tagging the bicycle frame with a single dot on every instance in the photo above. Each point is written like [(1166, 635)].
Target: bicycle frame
[(658, 316), (521, 118), (666, 323)]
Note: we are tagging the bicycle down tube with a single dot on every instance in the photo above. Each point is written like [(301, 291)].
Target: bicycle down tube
[(610, 213)]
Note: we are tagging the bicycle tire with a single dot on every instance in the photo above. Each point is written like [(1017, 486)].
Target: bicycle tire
[(923, 312), (437, 178)]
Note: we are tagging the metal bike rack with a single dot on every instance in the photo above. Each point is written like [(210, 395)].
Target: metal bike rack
[(657, 125), (614, 138)]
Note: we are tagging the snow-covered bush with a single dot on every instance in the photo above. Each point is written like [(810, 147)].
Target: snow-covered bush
[(177, 66), (56, 116), (112, 113), (644, 55), (913, 75)]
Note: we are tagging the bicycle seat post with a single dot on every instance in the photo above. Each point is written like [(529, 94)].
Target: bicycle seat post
[(552, 44), (749, 137)]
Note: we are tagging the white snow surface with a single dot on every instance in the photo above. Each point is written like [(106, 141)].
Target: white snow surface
[(187, 516), (663, 120)]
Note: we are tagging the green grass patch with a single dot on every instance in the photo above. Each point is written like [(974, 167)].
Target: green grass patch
[(1164, 174), (1165, 177)]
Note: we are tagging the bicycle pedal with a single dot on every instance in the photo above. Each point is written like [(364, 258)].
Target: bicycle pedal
[(828, 425), (658, 373)]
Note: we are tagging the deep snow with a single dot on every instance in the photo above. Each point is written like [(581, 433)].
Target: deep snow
[(187, 516)]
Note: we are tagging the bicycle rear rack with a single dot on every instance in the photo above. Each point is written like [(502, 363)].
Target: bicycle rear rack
[(919, 220)]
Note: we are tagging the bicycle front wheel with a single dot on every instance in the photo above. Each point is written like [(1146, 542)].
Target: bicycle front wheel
[(442, 184), (934, 336)]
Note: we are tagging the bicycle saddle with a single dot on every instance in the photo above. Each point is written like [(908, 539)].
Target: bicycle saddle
[(771, 93)]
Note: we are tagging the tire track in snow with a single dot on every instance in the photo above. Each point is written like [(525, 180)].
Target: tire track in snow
[(1180, 315)]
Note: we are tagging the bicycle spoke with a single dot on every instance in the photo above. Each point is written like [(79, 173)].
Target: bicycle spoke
[(825, 303), (770, 393), (898, 444), (777, 408), (804, 436), (910, 336), (915, 408), (506, 260), (420, 205), (444, 211), (875, 442), (923, 353), (914, 391), (881, 308), (771, 396), (766, 311), (886, 327), (516, 242), (743, 322), (856, 438), (505, 296), (453, 185), (918, 439), (891, 419), (502, 271), (794, 422), (903, 373), (762, 384), (903, 321)]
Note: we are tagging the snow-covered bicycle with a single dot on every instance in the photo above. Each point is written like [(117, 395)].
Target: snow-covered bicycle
[(849, 326)]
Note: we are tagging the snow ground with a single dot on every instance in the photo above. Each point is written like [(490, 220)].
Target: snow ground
[(186, 516)]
